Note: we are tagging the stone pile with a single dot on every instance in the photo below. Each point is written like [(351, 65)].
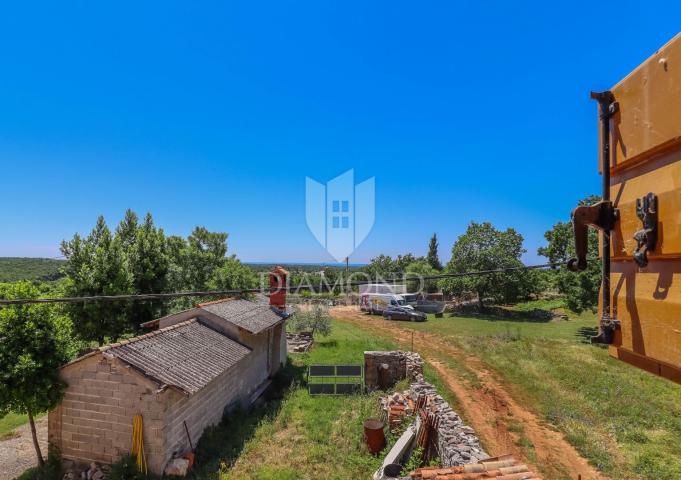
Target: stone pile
[(73, 471), (298, 342)]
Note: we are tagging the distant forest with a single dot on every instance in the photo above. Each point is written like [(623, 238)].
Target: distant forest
[(303, 267), (13, 269)]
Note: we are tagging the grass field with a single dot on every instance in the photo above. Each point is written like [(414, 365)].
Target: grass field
[(9, 422), (300, 436), (624, 421)]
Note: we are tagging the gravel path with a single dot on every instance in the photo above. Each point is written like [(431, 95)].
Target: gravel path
[(17, 453)]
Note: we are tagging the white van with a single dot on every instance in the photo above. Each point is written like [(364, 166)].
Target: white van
[(410, 298), (377, 302)]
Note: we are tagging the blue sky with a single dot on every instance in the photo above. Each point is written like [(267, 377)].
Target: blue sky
[(214, 115)]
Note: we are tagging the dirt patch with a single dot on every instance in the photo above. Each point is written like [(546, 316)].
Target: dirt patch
[(500, 421), (17, 453)]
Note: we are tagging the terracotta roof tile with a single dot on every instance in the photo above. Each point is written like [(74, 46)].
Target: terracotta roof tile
[(504, 467)]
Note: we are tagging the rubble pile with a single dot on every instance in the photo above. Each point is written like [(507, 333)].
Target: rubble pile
[(73, 471), (298, 342), (396, 407)]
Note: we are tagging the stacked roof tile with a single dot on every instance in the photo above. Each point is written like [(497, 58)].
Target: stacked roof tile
[(504, 467)]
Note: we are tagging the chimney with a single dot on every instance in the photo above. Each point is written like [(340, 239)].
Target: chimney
[(278, 284)]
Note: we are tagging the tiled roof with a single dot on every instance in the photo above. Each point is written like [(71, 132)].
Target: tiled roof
[(504, 467), (188, 355), (253, 316)]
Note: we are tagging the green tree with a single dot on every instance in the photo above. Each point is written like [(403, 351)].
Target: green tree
[(31, 351), (126, 233), (417, 270), (386, 268), (580, 288), (196, 259), (483, 247), (315, 319), (433, 257), (145, 251), (382, 266), (233, 275), (97, 265)]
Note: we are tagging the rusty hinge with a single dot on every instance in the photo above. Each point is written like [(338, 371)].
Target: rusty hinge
[(646, 238)]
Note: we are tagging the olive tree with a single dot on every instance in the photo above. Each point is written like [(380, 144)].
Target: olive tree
[(316, 319)]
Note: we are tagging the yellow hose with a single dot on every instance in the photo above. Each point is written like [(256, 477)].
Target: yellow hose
[(138, 443)]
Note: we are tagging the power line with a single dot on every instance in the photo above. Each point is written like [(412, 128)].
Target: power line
[(166, 296)]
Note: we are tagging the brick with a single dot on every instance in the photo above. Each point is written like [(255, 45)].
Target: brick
[(70, 412), (104, 367), (78, 437)]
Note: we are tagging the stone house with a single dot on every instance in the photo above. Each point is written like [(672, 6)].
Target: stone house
[(193, 366)]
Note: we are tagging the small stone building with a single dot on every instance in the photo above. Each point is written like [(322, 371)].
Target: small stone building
[(196, 364)]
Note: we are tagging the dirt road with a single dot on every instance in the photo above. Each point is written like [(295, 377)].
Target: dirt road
[(487, 406), (17, 453)]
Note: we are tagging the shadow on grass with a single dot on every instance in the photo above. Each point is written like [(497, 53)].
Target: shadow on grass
[(584, 334), (221, 445), (519, 317), (326, 343)]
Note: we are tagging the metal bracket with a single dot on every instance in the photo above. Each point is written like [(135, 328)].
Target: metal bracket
[(646, 238), (601, 215), (607, 100), (606, 331)]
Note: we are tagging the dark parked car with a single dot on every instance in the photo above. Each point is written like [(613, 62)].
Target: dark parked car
[(401, 313)]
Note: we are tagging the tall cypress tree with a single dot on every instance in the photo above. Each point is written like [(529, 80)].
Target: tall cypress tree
[(433, 258)]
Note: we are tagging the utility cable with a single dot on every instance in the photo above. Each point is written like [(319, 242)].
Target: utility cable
[(166, 296)]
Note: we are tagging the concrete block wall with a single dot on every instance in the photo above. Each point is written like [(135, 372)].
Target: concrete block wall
[(206, 407), (94, 421)]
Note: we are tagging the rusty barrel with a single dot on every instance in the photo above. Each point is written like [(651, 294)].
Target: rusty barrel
[(374, 435)]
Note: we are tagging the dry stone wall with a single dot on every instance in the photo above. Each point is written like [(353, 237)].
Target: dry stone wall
[(383, 369), (457, 443)]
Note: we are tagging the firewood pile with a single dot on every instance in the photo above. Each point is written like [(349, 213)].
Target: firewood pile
[(298, 342)]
